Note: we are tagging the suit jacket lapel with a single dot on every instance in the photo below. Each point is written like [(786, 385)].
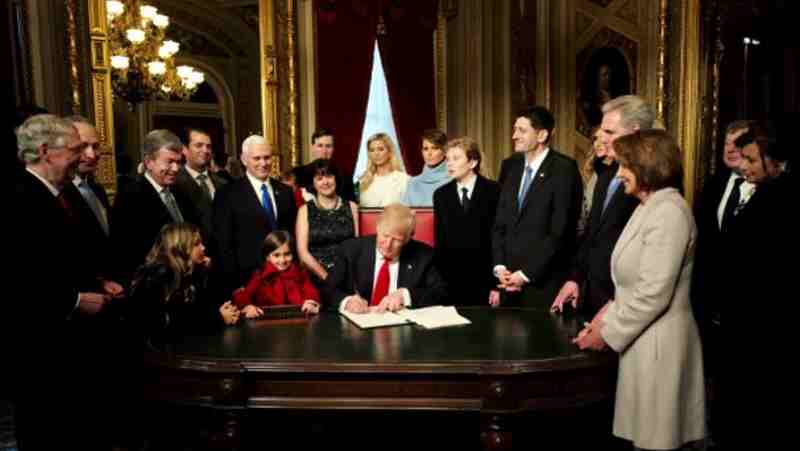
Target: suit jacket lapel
[(366, 273), (477, 194), (538, 179), (404, 271), (630, 231), (615, 201), (253, 199)]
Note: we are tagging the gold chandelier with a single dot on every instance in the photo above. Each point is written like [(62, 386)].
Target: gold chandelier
[(142, 62)]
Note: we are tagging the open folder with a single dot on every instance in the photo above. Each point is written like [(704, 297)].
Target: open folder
[(428, 317)]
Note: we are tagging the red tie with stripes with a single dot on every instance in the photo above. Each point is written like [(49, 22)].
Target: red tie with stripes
[(381, 285)]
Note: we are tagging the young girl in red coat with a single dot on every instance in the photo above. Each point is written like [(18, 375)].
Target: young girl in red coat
[(281, 282)]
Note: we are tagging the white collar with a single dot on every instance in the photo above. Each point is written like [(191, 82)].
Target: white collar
[(257, 183), (159, 189), (469, 184), (194, 174), (537, 160)]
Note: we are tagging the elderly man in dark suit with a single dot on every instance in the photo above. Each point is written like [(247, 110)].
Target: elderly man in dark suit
[(195, 179), (92, 208), (151, 202), (44, 284), (537, 215), (387, 271), (590, 279), (246, 211)]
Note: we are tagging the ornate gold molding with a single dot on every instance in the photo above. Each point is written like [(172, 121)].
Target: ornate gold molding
[(440, 66), (661, 59), (688, 116), (719, 51), (74, 81), (102, 101), (269, 76), (292, 31)]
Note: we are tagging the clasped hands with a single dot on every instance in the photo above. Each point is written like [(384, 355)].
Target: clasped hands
[(390, 303), (509, 281)]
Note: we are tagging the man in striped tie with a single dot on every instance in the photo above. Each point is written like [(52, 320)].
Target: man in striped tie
[(92, 206)]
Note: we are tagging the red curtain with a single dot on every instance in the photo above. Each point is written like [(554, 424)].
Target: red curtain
[(407, 52), (345, 42)]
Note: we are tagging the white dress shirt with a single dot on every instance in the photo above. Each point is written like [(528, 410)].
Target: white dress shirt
[(469, 184), (745, 187)]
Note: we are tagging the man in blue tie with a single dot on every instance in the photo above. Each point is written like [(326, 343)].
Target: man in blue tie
[(589, 282), (246, 211), (537, 216)]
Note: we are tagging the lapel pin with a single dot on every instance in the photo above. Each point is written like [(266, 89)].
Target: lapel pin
[(409, 266), (541, 176)]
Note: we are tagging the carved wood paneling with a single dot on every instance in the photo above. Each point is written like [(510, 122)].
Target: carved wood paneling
[(102, 101)]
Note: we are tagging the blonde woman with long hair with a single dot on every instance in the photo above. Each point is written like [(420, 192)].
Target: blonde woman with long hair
[(384, 182), (170, 294)]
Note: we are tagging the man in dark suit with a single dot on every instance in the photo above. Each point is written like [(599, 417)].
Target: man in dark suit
[(92, 207), (590, 279), (44, 284), (387, 271), (537, 215), (151, 202), (246, 211), (195, 179), (322, 148), (714, 211), (464, 212), (716, 260)]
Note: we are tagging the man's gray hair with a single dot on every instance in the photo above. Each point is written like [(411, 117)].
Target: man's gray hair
[(41, 129), (160, 139), (395, 216), (634, 112), (250, 140)]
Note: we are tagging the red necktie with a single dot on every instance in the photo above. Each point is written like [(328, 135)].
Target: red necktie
[(382, 285), (65, 204)]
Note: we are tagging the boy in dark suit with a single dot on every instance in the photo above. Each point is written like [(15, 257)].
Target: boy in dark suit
[(464, 212)]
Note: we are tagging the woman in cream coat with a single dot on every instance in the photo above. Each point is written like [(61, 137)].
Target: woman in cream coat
[(660, 402)]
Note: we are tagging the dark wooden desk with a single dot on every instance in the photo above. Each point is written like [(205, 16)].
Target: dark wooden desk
[(507, 362)]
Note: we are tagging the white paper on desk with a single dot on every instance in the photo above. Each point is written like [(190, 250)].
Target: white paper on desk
[(373, 319), (434, 317)]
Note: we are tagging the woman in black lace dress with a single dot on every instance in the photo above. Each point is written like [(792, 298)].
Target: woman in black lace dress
[(324, 222)]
